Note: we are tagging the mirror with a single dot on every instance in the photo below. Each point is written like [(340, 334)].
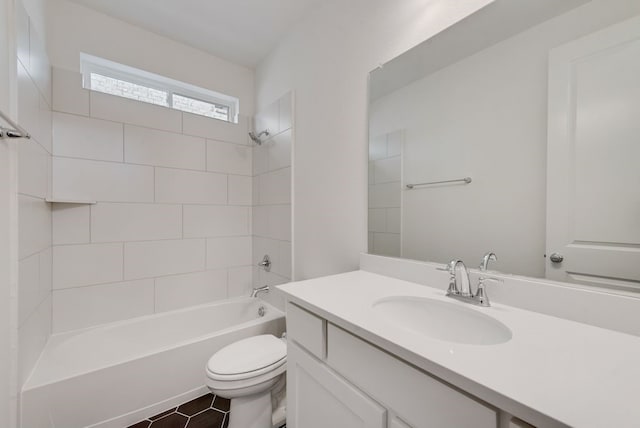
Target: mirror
[(537, 105)]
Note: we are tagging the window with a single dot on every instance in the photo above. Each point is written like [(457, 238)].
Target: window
[(106, 76)]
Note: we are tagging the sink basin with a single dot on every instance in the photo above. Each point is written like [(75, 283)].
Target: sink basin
[(442, 320)]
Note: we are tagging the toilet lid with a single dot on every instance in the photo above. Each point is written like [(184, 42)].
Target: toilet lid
[(248, 355)]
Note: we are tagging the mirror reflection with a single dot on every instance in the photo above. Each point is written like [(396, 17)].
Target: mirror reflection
[(515, 131)]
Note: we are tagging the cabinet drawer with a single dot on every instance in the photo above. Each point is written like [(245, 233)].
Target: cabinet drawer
[(419, 399), (306, 329)]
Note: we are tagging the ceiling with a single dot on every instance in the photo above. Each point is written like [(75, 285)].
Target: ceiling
[(240, 31)]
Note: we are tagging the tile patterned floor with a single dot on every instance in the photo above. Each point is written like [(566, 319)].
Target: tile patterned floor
[(208, 411)]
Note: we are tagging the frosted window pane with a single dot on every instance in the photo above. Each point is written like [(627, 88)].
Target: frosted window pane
[(121, 88), (203, 108)]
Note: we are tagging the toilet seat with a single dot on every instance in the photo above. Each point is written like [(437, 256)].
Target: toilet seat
[(248, 359)]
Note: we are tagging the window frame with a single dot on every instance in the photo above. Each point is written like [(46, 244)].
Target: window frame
[(91, 64)]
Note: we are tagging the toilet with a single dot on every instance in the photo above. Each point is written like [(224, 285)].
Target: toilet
[(247, 372)]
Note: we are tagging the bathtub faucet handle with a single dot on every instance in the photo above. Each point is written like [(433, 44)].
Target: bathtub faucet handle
[(257, 290)]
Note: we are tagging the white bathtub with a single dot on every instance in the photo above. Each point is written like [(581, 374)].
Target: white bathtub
[(117, 374)]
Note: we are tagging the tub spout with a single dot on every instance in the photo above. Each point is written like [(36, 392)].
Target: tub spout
[(258, 290)]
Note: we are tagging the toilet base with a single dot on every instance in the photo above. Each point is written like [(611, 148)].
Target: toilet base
[(252, 411)]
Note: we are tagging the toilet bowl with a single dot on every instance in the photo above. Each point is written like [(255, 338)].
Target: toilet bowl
[(246, 372)]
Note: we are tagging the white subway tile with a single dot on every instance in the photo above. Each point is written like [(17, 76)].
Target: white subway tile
[(387, 170), (34, 225), (28, 103), (240, 190), (118, 109), (45, 126), (240, 281), (71, 224), (228, 158), (22, 34), (285, 266), (190, 187), (386, 244), (266, 246), (34, 283), (32, 337), (135, 222), (260, 159), (214, 129), (33, 169), (213, 221), (377, 220), (159, 148), (386, 195), (79, 179), (159, 258), (228, 252), (279, 151), (255, 190), (29, 295), (275, 297), (394, 143), (83, 137), (260, 221), (68, 94), (79, 265), (179, 291), (268, 118), (272, 279), (378, 147), (394, 220), (280, 222), (46, 270), (275, 187), (286, 111), (88, 306), (40, 67)]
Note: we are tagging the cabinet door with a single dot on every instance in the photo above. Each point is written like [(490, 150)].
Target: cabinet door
[(319, 398)]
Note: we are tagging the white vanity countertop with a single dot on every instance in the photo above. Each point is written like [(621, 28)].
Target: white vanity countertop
[(573, 373)]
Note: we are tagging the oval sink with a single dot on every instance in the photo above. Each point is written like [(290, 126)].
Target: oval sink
[(442, 320)]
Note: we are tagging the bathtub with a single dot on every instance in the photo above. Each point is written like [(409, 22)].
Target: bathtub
[(117, 374)]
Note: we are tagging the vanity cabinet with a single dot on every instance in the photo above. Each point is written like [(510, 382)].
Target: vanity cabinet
[(336, 379), (318, 397)]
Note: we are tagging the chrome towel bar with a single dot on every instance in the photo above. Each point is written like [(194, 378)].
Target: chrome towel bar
[(16, 132), (465, 180)]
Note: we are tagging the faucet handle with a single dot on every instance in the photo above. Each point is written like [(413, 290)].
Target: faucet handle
[(481, 294), (449, 267)]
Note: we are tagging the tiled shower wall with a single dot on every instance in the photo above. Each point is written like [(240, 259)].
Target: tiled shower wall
[(172, 224), (385, 194), (34, 214), (272, 194)]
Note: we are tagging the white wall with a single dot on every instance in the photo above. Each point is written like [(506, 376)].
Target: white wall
[(494, 109), (326, 59), (34, 181), (8, 225), (75, 29)]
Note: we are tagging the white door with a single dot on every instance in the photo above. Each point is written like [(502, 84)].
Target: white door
[(593, 169), (319, 398)]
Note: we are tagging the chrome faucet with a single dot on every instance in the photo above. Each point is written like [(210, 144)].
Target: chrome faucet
[(458, 274), (258, 290)]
